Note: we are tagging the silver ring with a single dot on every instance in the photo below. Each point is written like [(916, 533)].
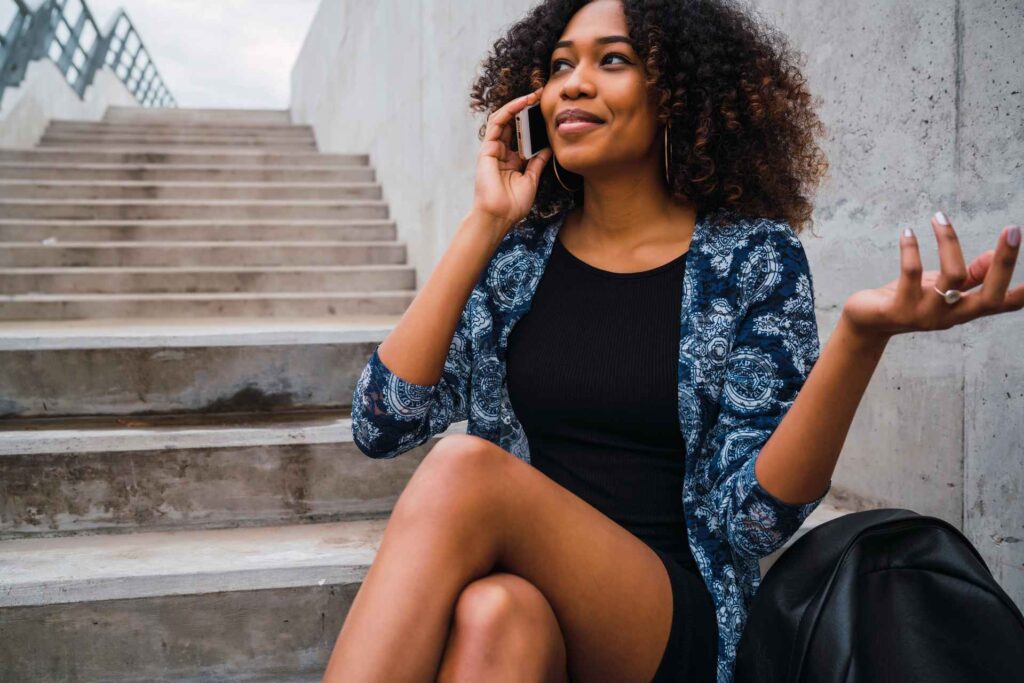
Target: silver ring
[(950, 295)]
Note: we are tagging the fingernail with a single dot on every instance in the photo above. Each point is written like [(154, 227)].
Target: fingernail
[(907, 232), (1013, 237), (941, 218)]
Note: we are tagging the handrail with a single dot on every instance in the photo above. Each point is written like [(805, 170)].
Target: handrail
[(75, 44)]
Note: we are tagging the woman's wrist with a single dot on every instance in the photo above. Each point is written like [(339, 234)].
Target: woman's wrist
[(483, 223), (860, 339)]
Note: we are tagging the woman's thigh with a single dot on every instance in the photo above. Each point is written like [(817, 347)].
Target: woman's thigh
[(609, 591)]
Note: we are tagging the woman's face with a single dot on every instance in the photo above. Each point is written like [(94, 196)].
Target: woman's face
[(605, 79)]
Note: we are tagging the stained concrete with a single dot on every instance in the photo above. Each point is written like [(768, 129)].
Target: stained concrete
[(130, 367), (142, 475), (288, 636)]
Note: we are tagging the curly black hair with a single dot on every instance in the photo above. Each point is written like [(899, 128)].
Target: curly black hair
[(743, 121)]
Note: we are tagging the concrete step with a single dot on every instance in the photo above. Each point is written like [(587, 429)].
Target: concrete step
[(249, 253), (66, 477), (111, 132), (141, 190), (193, 146), (78, 127), (210, 605), (30, 307), (183, 172), (148, 366), (47, 230), (187, 115), (117, 209), (261, 142), (158, 280), (223, 602), (151, 155)]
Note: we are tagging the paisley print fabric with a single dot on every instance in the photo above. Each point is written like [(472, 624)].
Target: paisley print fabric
[(748, 340)]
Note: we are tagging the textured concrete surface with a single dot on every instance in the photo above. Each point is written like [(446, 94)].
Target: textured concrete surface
[(925, 109), (127, 140), (161, 279), (46, 571), (202, 116), (189, 332), (136, 475), (177, 189), (129, 366), (203, 304), (279, 635), (204, 253), (163, 155), (116, 209), (50, 170), (169, 230)]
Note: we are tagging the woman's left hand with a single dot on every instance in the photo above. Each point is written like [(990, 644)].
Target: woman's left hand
[(910, 302)]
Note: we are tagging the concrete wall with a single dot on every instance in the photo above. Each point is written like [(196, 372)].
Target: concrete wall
[(925, 108), (391, 78), (45, 95)]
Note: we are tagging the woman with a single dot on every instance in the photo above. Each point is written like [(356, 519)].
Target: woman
[(551, 543)]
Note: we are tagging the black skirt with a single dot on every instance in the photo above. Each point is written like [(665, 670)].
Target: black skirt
[(691, 654)]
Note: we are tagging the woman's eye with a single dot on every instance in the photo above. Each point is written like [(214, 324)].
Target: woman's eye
[(554, 65)]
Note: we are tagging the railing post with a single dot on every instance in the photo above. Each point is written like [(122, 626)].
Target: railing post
[(94, 62)]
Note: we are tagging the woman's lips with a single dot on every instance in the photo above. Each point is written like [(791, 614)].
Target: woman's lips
[(577, 126)]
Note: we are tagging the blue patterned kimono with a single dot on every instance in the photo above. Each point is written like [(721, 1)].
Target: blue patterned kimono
[(748, 340)]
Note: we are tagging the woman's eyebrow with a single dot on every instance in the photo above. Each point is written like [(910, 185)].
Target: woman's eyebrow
[(599, 41)]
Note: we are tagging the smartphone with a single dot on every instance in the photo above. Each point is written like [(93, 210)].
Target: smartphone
[(531, 132)]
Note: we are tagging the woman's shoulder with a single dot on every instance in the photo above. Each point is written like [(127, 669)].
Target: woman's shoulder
[(734, 242), (727, 225)]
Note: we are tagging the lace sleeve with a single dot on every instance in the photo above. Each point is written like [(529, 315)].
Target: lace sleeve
[(391, 415)]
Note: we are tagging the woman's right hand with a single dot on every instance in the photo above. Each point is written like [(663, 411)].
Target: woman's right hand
[(506, 184)]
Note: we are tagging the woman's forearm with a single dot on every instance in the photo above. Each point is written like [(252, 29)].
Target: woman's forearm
[(417, 346), (797, 462)]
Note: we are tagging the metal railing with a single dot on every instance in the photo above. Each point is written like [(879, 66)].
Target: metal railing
[(73, 41)]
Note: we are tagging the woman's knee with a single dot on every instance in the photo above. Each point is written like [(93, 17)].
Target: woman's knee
[(454, 476), (504, 617)]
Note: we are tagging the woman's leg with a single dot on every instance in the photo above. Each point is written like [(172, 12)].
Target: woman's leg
[(472, 507), (503, 630)]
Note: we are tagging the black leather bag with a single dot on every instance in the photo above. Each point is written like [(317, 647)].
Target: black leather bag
[(881, 596)]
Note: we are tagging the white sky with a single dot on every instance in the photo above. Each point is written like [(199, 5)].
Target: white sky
[(219, 53)]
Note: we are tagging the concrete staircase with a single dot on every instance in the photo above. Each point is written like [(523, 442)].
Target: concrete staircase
[(188, 297), (190, 213), (186, 300)]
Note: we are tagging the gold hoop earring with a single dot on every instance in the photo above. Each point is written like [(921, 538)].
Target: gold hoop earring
[(667, 154), (554, 161)]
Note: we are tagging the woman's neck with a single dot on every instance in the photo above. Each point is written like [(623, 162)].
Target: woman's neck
[(628, 237)]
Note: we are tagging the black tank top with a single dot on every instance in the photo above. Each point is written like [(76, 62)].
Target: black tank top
[(592, 372)]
